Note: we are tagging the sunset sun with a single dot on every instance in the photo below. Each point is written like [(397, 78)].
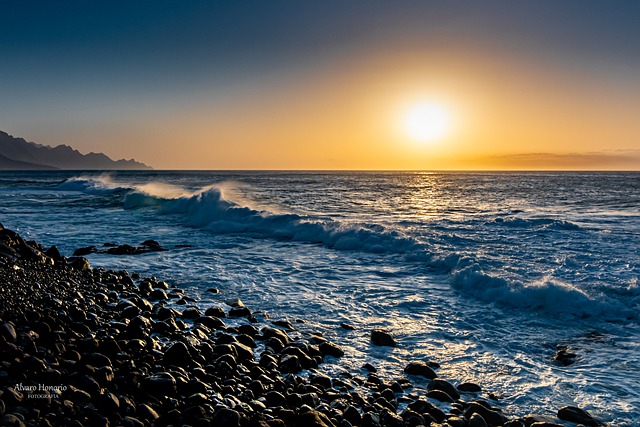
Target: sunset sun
[(426, 122)]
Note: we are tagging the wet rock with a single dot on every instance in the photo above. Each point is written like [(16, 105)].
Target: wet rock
[(440, 396), (290, 364), (215, 312), (347, 326), (381, 337), (476, 420), (493, 418), (84, 251), (577, 415), (369, 367), (191, 313), (421, 369), (565, 357), (445, 386), (423, 407), (158, 295), (330, 349), (469, 388), (239, 312), (210, 322)]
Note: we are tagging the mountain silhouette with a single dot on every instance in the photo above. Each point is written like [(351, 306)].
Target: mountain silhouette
[(18, 154)]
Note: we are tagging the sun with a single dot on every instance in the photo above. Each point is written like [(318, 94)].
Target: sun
[(426, 122)]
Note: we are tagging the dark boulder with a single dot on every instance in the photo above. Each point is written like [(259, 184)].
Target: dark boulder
[(382, 337), (577, 415), (421, 369)]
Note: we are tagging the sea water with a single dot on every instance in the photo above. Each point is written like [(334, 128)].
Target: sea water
[(487, 274)]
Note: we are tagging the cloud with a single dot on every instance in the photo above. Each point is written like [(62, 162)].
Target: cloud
[(611, 159)]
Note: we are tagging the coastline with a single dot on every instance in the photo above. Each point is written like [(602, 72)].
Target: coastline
[(89, 346)]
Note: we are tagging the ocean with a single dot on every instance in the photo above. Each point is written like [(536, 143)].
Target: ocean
[(487, 273)]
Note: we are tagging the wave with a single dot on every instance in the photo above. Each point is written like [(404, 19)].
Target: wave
[(208, 209), (548, 294), (101, 184), (538, 223)]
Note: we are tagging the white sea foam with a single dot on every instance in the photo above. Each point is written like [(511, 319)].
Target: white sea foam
[(98, 184), (210, 210)]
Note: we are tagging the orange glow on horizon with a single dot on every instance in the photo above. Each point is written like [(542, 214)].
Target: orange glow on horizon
[(497, 111)]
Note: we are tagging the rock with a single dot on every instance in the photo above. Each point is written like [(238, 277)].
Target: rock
[(445, 386), (577, 415), (152, 245), (11, 420), (533, 419), (225, 417), (161, 384), (352, 415), (423, 407), (191, 313), (492, 418), (84, 251), (421, 369), (347, 326), (284, 324), (290, 364), (210, 322), (8, 332), (158, 295), (330, 349), (313, 419), (79, 263), (275, 398), (381, 337), (177, 355), (565, 357), (215, 312), (476, 420), (440, 396), (239, 312), (546, 424), (146, 412), (123, 250), (469, 388), (369, 367), (370, 419), (54, 254)]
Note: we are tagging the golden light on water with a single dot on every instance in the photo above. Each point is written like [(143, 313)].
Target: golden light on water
[(426, 122)]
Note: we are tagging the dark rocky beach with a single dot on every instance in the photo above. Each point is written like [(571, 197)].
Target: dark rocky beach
[(83, 346)]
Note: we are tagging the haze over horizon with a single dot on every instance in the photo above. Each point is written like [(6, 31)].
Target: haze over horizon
[(330, 85)]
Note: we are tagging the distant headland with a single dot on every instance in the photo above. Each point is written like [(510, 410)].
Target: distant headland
[(19, 154)]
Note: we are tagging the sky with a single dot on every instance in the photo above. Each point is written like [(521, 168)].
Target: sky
[(541, 84)]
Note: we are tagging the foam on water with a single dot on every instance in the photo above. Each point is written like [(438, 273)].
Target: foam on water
[(210, 210)]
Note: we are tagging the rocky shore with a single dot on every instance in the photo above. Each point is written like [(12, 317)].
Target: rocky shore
[(83, 346)]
